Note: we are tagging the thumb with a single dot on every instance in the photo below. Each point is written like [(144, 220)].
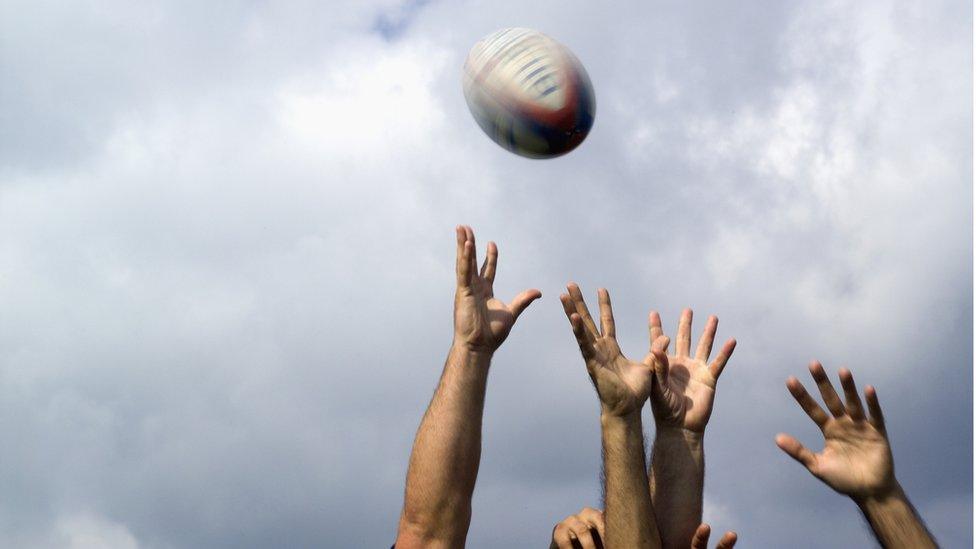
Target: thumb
[(523, 300)]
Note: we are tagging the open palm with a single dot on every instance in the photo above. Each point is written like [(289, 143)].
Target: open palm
[(622, 385), (685, 385), (856, 459), (481, 321)]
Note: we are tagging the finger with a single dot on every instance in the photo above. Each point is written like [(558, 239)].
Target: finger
[(682, 344), (827, 391), (806, 401), (585, 539), (654, 326), (464, 251), (464, 265), (580, 531), (491, 260), (583, 338), (580, 304), (796, 450), (874, 407), (727, 541), (700, 539), (473, 261), (523, 300), (607, 326), (594, 518), (561, 537), (853, 400), (707, 338), (722, 359), (661, 366)]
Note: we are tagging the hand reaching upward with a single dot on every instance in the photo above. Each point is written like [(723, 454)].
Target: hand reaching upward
[(685, 385), (482, 321), (622, 384), (856, 459)]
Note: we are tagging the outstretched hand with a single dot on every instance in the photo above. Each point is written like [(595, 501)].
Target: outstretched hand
[(856, 459), (622, 385), (482, 321), (684, 390)]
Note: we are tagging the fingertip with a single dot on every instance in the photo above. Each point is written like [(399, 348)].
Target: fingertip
[(815, 366), (844, 374), (792, 382), (783, 440)]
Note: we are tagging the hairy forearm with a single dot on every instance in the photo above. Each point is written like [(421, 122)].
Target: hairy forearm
[(629, 516), (894, 520), (446, 454), (676, 477)]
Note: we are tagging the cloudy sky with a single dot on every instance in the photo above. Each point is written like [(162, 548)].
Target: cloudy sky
[(226, 257)]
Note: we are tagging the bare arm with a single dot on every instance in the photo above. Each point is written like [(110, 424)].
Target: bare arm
[(447, 450), (856, 460), (677, 477), (626, 499), (894, 521), (622, 387), (682, 400)]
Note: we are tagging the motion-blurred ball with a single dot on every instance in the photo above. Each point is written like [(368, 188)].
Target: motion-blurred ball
[(529, 93)]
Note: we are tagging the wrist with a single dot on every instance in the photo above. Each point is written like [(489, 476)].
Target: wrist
[(612, 419), (468, 363), (470, 353), (881, 498), (667, 432)]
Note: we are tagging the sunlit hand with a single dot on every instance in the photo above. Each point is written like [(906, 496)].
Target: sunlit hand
[(684, 387), (700, 541), (481, 321), (856, 459), (622, 385), (584, 530)]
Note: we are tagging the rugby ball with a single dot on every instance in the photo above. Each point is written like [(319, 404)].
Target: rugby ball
[(529, 93)]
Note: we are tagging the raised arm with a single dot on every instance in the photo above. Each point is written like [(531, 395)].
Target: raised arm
[(623, 387), (682, 398), (856, 460), (447, 450)]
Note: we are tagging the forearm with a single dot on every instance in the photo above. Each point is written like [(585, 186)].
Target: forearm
[(446, 454), (676, 476), (629, 516), (894, 520)]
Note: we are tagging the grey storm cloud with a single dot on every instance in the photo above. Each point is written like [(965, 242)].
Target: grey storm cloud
[(226, 258)]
